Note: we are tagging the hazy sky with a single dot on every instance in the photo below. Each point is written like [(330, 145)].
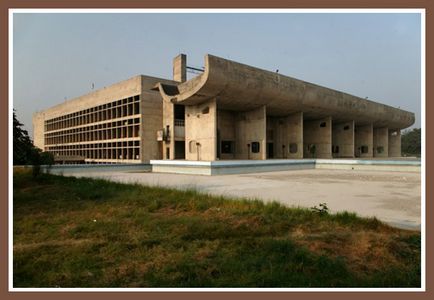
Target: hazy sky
[(58, 56)]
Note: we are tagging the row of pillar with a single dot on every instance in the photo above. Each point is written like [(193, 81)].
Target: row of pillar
[(212, 133)]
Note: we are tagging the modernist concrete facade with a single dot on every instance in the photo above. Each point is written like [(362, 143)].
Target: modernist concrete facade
[(230, 111)]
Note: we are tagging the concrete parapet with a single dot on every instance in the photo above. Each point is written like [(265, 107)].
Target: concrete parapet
[(249, 166)]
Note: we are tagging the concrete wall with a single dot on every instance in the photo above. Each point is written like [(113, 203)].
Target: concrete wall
[(363, 138), (151, 111), (38, 130), (343, 139), (120, 90), (295, 134), (381, 142), (318, 137), (201, 131), (394, 143), (284, 132), (251, 127)]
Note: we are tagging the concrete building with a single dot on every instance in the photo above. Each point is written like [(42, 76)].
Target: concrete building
[(229, 111)]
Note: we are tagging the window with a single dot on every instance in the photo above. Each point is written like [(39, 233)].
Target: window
[(192, 147), (335, 149), (205, 110), (380, 149), (227, 147), (346, 127), (293, 148), (365, 149), (322, 124), (255, 147)]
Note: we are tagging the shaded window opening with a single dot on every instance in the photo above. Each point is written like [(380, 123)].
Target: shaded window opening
[(364, 149), (322, 124), (380, 149), (293, 148), (205, 110), (179, 112), (192, 146), (227, 147), (335, 149), (255, 147), (346, 127)]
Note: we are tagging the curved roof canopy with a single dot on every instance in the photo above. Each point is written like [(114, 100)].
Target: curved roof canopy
[(240, 87)]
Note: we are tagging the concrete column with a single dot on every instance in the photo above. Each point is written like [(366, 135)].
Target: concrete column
[(180, 68), (169, 130), (394, 143), (343, 139), (38, 130), (364, 141), (381, 142), (274, 137), (295, 135), (317, 138), (201, 131), (250, 134)]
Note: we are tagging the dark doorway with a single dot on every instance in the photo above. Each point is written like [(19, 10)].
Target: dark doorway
[(270, 150), (179, 112), (179, 149)]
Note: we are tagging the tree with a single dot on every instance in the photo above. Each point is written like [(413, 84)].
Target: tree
[(411, 142), (23, 149), (25, 153)]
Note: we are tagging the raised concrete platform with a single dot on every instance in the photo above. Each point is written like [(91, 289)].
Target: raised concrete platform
[(87, 168), (230, 166), (254, 166)]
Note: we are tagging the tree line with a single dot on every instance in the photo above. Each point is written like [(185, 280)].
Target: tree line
[(411, 142), (24, 151)]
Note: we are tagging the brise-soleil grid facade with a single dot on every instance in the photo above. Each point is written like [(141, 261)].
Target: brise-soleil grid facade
[(105, 132)]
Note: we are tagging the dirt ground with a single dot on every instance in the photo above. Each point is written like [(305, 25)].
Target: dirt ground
[(393, 197)]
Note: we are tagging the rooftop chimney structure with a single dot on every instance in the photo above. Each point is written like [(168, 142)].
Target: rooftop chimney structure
[(180, 68)]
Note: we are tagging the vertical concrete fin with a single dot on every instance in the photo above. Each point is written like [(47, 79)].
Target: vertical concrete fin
[(363, 141), (317, 138), (381, 142), (201, 131), (295, 135), (343, 139), (394, 143), (250, 134), (180, 68)]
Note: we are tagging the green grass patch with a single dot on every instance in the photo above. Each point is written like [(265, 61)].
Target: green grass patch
[(71, 232)]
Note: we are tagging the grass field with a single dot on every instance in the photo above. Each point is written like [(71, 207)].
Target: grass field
[(71, 232)]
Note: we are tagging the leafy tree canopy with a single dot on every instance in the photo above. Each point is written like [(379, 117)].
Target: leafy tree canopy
[(25, 153), (411, 142)]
